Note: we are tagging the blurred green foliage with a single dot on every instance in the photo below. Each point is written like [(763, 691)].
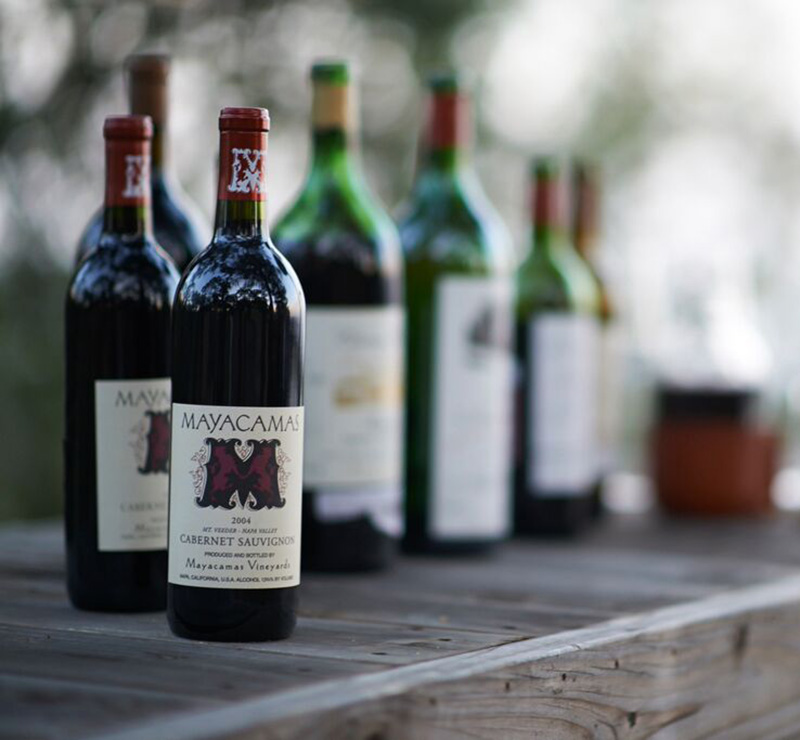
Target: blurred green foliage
[(31, 307)]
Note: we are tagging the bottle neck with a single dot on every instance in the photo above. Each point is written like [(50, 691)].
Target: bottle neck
[(331, 154), (332, 137), (148, 97), (584, 227), (127, 211), (241, 194), (447, 136), (547, 214), (160, 149)]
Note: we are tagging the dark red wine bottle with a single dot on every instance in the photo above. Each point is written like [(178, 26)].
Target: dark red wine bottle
[(178, 226), (116, 447), (237, 416)]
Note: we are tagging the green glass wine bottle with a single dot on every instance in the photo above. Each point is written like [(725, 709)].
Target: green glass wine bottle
[(460, 360), (557, 351), (585, 192), (177, 224), (346, 252)]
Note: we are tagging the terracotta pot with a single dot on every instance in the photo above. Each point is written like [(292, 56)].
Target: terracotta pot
[(710, 458)]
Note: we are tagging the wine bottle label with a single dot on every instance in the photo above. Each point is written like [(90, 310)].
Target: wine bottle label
[(235, 496), (128, 172), (381, 504), (354, 396), (610, 395), (561, 364), (243, 165), (470, 455), (132, 444)]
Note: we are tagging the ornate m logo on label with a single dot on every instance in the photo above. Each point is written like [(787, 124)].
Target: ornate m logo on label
[(247, 172), (151, 442), (157, 457), (136, 176), (248, 474)]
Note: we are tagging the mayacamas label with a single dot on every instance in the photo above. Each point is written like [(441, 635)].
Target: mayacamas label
[(132, 443), (235, 496)]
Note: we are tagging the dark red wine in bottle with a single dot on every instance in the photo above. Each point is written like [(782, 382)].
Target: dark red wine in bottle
[(237, 416), (116, 447)]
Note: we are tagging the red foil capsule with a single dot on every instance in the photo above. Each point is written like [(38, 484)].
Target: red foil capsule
[(243, 154), (128, 160), (448, 120)]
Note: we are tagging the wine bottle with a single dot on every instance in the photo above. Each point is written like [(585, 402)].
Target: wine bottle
[(459, 354), (116, 447), (346, 253), (237, 417), (556, 461), (585, 213), (179, 228)]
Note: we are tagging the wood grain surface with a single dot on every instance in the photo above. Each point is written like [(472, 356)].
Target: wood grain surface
[(646, 629)]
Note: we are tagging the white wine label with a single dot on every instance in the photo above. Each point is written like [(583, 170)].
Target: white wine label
[(563, 354), (383, 505), (473, 374), (611, 375), (132, 444), (235, 496), (354, 397)]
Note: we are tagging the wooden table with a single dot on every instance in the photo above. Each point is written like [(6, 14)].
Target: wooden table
[(646, 628)]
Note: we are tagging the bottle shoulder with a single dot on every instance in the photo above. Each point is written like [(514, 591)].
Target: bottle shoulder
[(541, 286), (583, 282), (329, 228), (177, 223), (122, 271), (555, 280), (90, 237), (607, 307), (329, 206), (452, 203), (453, 231), (234, 273)]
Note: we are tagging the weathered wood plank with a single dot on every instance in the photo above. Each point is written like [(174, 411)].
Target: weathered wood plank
[(520, 645), (686, 671), (505, 615), (532, 576), (46, 709), (383, 644), (783, 724), (178, 667), (768, 540)]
